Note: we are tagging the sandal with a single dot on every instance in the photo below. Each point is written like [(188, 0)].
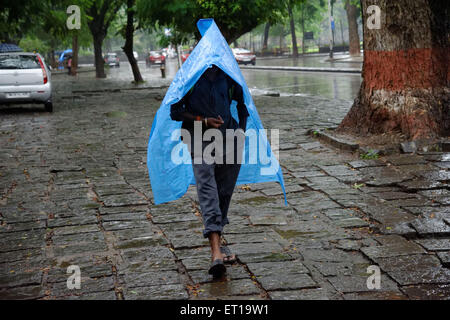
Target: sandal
[(217, 268), (230, 257)]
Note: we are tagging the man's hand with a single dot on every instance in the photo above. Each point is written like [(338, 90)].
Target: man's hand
[(214, 123)]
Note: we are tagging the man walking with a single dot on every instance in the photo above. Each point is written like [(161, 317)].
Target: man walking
[(208, 103), (210, 97)]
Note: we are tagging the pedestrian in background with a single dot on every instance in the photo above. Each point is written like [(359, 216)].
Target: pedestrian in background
[(69, 65)]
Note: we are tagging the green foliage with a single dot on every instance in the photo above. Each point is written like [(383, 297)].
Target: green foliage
[(234, 17), (370, 155)]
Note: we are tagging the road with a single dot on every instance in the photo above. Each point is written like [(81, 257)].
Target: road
[(328, 85)]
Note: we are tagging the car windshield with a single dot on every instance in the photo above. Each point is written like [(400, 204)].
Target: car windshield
[(19, 62), (155, 54)]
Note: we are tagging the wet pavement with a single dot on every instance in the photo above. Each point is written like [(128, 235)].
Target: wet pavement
[(75, 191), (329, 85)]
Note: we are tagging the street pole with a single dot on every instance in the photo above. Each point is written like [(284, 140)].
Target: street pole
[(331, 28)]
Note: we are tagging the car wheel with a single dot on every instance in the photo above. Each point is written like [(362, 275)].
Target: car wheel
[(253, 63), (49, 106)]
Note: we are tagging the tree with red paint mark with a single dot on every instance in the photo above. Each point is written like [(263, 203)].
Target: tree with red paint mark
[(406, 71)]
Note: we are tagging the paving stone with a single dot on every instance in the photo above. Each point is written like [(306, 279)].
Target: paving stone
[(228, 288), (162, 292), (265, 220), (332, 255), (355, 283), (72, 221), (22, 293), (262, 269), (17, 278), (59, 273), (87, 285), (384, 295), (286, 281), (105, 295), (26, 226), (428, 292), (71, 230), (430, 226), (278, 191), (234, 272), (147, 279), (128, 199), (259, 252), (414, 269), (435, 244), (306, 294), (392, 250), (445, 258)]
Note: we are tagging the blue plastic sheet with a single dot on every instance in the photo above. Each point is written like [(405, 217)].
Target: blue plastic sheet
[(170, 179)]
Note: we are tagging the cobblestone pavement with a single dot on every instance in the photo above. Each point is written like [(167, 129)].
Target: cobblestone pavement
[(75, 191)]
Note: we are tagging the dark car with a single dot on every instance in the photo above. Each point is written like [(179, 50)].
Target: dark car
[(155, 57)]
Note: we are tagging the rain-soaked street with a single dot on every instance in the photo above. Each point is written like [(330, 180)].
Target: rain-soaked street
[(75, 192), (330, 85)]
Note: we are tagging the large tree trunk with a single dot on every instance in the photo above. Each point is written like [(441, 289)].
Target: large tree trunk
[(406, 72), (128, 47), (294, 38), (353, 36), (74, 68), (99, 62)]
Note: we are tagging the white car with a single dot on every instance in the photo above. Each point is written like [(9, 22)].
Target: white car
[(244, 56), (25, 78), (112, 60)]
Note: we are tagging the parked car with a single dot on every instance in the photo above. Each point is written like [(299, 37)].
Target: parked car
[(155, 57), (25, 78), (185, 54), (244, 56), (112, 60)]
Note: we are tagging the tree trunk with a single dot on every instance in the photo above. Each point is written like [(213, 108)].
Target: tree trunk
[(406, 71), (294, 38), (266, 37), (99, 62), (353, 36), (99, 28), (303, 29), (74, 68), (128, 47)]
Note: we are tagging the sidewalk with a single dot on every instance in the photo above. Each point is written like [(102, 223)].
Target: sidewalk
[(76, 192)]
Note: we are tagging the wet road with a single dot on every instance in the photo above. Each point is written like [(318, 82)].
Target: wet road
[(329, 85)]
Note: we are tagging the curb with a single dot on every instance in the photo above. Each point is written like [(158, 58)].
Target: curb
[(78, 71), (330, 139), (322, 134), (304, 69)]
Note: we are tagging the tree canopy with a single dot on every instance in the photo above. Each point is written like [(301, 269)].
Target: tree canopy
[(234, 17)]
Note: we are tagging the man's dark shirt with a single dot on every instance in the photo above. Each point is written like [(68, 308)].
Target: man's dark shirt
[(211, 97)]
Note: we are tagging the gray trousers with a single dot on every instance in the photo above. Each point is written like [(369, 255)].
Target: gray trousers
[(215, 186)]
